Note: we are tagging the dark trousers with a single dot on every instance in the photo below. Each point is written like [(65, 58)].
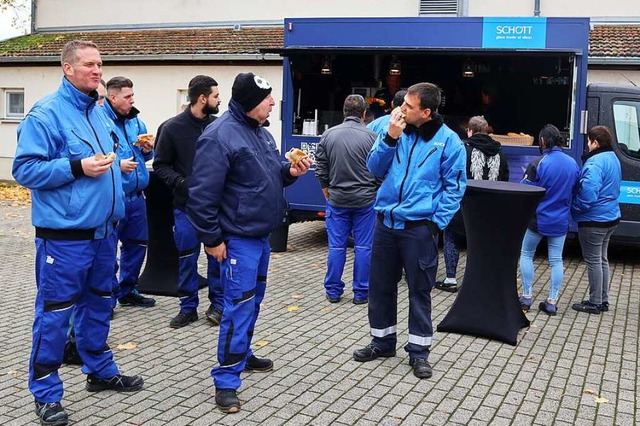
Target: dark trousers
[(416, 250)]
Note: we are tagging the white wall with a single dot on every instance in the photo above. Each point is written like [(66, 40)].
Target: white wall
[(156, 90), (575, 8), (619, 78)]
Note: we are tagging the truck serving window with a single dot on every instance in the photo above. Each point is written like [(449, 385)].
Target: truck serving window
[(626, 115), (518, 92)]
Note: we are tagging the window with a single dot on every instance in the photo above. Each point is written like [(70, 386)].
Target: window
[(626, 116), (438, 7), (13, 103), (182, 99)]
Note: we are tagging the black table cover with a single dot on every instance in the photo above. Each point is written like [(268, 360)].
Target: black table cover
[(495, 216)]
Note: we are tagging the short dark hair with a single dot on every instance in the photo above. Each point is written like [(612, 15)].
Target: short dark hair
[(68, 54), (118, 83), (354, 106), (200, 85), (551, 136), (478, 124), (398, 98), (429, 95), (600, 134)]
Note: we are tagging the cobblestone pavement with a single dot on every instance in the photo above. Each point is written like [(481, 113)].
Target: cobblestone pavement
[(553, 376)]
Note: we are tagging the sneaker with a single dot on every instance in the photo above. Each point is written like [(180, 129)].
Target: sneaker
[(183, 318), (448, 287), (360, 300), (71, 355), (421, 368), (51, 413), (118, 383), (227, 401), (333, 299), (586, 306), (548, 308), (525, 303), (258, 364), (370, 352), (214, 315), (136, 299), (604, 307)]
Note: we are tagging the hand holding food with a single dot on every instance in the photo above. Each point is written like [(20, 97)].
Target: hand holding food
[(295, 155), (98, 164), (111, 156), (145, 141)]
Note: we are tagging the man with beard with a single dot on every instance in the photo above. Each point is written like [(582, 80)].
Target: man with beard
[(175, 149), (485, 161)]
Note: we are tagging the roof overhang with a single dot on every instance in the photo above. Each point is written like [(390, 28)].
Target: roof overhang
[(153, 58)]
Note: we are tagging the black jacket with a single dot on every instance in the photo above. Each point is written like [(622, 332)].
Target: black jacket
[(175, 147), (482, 163)]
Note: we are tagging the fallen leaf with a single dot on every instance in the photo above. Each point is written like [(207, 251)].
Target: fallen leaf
[(293, 308), (601, 400), (590, 391), (13, 374), (326, 310), (297, 295), (261, 343), (125, 346)]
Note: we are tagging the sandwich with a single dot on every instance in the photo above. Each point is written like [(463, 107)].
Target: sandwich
[(110, 156), (145, 140), (399, 109), (295, 155)]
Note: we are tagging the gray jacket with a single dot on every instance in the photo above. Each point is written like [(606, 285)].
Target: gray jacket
[(341, 164)]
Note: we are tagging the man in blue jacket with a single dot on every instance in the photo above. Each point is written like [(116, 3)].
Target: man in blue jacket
[(132, 153), (423, 165), (77, 199), (235, 201)]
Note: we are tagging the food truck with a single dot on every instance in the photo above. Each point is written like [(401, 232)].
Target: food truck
[(519, 72)]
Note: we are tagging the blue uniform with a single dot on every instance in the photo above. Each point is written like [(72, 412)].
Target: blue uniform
[(74, 216), (424, 180), (132, 229), (236, 197)]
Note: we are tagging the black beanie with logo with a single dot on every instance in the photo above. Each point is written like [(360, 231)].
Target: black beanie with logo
[(249, 90)]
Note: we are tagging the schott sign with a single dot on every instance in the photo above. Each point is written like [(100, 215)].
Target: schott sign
[(514, 33)]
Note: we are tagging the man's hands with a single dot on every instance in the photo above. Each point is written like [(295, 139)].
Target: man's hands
[(128, 165), (219, 251), (300, 167), (93, 168), (396, 123)]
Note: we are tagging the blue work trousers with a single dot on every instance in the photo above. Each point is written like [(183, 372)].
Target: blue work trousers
[(416, 250), (340, 223), (244, 277), (188, 246), (71, 275), (133, 234)]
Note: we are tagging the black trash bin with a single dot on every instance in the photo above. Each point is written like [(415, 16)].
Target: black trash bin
[(280, 235)]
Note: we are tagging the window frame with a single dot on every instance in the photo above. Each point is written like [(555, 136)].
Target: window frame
[(632, 104), (8, 115)]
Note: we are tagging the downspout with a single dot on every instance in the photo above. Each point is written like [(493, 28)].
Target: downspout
[(536, 8), (33, 16)]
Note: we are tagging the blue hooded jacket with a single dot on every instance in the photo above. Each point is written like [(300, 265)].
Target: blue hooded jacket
[(596, 199), (128, 128), (58, 132), (236, 185)]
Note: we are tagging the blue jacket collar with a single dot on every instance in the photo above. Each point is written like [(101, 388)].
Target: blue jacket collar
[(75, 97), (114, 115)]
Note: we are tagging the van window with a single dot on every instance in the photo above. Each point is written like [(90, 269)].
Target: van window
[(626, 115)]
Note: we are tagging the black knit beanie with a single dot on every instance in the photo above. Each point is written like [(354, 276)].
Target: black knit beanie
[(249, 90)]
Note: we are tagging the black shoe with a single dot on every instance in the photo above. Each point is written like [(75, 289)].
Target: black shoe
[(71, 355), (51, 413), (604, 307), (421, 368), (227, 401), (258, 364), (360, 301), (136, 299), (118, 383), (214, 315), (548, 308), (449, 287), (525, 303), (183, 318), (586, 306), (370, 352), (333, 299)]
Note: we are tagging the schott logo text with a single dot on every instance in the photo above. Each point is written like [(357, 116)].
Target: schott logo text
[(514, 29), (633, 191)]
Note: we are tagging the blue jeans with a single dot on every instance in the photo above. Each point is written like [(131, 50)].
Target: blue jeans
[(340, 222), (527, 253), (594, 243)]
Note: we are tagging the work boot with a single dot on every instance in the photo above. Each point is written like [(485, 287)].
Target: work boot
[(258, 364), (214, 315), (183, 318), (227, 401), (370, 352), (71, 355), (51, 414), (136, 299), (333, 299), (118, 383), (586, 306), (421, 368), (604, 307)]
